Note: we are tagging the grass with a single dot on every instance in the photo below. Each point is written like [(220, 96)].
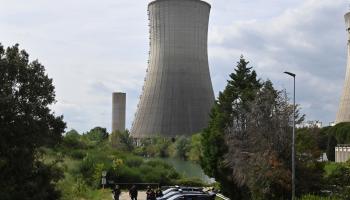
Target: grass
[(313, 197)]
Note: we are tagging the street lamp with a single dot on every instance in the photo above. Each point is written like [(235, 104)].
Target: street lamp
[(293, 139)]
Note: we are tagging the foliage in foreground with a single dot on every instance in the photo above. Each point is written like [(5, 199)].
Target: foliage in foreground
[(314, 197), (26, 124)]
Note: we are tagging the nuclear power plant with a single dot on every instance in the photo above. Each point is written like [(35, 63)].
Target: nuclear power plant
[(177, 95), (343, 114), (118, 111)]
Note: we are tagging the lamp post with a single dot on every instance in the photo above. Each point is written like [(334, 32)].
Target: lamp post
[(293, 138)]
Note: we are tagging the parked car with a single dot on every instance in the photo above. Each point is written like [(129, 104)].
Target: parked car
[(189, 196), (177, 188), (178, 192)]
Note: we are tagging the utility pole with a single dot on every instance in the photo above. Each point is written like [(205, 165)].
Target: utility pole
[(293, 138)]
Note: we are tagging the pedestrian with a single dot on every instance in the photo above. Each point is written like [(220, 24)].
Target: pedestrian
[(133, 192), (150, 194), (159, 192), (116, 192)]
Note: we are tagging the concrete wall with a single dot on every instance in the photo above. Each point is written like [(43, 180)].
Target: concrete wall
[(177, 94), (343, 114), (342, 154), (118, 111)]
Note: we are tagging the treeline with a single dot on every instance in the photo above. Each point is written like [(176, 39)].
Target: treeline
[(185, 148), (247, 144)]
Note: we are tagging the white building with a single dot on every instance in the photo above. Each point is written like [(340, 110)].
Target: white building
[(311, 124), (342, 153)]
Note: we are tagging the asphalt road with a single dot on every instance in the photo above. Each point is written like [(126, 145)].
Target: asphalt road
[(125, 196)]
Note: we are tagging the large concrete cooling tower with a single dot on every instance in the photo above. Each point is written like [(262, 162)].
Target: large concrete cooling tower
[(177, 94), (343, 114)]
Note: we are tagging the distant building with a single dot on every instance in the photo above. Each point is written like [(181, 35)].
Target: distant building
[(118, 111), (310, 124), (342, 153), (331, 123)]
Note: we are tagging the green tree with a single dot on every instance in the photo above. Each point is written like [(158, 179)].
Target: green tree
[(240, 91), (182, 147), (308, 144), (26, 124), (97, 134), (195, 148), (72, 139), (162, 146), (332, 143), (122, 140)]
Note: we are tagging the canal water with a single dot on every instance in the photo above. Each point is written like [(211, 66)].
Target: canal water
[(188, 169)]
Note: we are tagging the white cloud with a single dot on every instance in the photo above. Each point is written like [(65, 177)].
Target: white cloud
[(308, 39), (92, 49)]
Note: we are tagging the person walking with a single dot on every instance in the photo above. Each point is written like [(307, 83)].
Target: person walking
[(159, 192), (133, 192), (116, 192), (150, 194)]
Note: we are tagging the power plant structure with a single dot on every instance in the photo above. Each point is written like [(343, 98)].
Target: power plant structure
[(177, 95), (118, 111), (343, 114)]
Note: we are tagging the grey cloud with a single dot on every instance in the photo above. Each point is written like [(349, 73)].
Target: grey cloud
[(91, 49), (309, 40)]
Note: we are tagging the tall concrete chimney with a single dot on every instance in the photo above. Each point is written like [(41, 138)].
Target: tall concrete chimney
[(118, 111), (177, 95), (343, 114)]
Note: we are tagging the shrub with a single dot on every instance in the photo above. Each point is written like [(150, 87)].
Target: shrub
[(77, 154), (313, 197), (134, 161), (194, 182)]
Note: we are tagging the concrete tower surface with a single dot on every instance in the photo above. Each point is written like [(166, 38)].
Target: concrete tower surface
[(118, 111), (177, 94), (343, 114)]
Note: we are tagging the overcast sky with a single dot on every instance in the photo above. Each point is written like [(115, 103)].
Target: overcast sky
[(92, 48)]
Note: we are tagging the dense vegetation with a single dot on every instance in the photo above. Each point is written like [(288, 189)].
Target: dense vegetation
[(247, 144), (26, 125), (87, 155)]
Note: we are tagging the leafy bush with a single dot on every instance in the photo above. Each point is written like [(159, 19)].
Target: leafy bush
[(194, 182), (97, 134), (342, 132), (77, 154), (122, 140), (337, 179), (133, 161), (313, 197)]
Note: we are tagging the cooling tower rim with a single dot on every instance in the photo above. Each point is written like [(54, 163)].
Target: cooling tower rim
[(155, 1)]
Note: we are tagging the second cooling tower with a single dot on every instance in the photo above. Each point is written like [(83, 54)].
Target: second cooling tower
[(177, 94), (343, 114)]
